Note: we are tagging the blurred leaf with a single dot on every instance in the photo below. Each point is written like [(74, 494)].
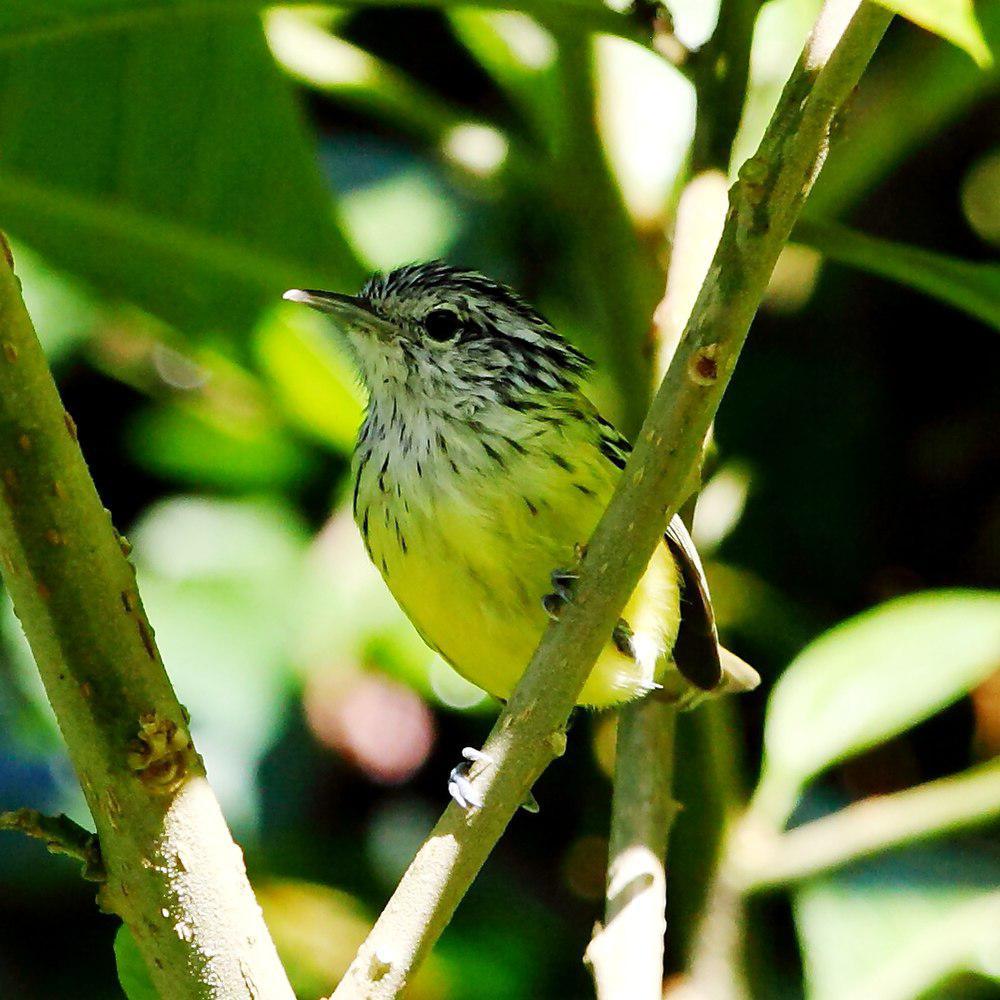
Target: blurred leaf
[(317, 930), (895, 928), (951, 19), (24, 22), (177, 443), (222, 582), (870, 678), (132, 974), (307, 50), (313, 378), (408, 216), (189, 185), (519, 54), (973, 288), (910, 94)]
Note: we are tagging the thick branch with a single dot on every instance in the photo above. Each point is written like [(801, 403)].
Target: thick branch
[(173, 873), (529, 733)]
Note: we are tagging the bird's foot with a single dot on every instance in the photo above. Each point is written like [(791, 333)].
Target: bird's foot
[(460, 780), (622, 637), (563, 585)]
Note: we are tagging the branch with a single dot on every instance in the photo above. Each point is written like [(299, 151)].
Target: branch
[(626, 954), (60, 836), (758, 862), (173, 873), (530, 731)]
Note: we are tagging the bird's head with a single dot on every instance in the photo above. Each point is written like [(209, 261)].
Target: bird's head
[(441, 334)]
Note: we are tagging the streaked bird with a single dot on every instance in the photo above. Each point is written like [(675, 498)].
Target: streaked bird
[(481, 470)]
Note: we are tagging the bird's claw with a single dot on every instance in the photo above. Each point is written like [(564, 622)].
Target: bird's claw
[(460, 783), (622, 636), (563, 583)]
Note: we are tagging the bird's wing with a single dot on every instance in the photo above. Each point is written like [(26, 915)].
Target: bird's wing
[(696, 650), (697, 653)]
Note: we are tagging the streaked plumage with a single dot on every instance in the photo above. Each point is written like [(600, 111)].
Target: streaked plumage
[(480, 468)]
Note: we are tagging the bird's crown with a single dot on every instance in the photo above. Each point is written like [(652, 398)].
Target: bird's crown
[(456, 315)]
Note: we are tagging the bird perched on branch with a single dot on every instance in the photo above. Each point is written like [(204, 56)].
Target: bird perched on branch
[(481, 471)]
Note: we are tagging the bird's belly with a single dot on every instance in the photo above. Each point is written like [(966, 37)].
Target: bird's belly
[(472, 574)]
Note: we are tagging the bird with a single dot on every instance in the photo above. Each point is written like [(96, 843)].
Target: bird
[(480, 471)]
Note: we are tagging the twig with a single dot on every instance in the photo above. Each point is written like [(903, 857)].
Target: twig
[(758, 861), (60, 836), (626, 954), (173, 873), (530, 731)]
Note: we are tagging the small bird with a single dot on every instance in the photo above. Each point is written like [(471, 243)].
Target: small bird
[(480, 472)]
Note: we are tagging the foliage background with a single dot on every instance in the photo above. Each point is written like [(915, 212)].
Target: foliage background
[(166, 170)]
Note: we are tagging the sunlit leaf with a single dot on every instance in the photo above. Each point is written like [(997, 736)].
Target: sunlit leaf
[(870, 678), (973, 288), (189, 185), (307, 50), (952, 19), (897, 927), (132, 974)]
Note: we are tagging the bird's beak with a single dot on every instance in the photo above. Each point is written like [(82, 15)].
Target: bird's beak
[(348, 311)]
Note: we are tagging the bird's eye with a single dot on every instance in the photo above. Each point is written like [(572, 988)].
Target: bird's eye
[(442, 325)]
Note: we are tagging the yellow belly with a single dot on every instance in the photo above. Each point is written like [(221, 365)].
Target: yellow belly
[(471, 567)]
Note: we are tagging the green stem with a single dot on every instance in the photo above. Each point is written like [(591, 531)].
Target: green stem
[(626, 954), (530, 731), (720, 70), (173, 873), (757, 861), (60, 836)]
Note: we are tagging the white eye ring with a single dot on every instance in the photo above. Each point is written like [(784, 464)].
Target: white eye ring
[(442, 325)]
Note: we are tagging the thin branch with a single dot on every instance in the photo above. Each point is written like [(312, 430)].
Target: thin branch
[(530, 731), (173, 873), (626, 953), (758, 862), (61, 835)]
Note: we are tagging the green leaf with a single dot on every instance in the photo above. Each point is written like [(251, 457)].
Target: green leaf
[(163, 160), (180, 444), (898, 927), (973, 288), (25, 22), (132, 974), (911, 94), (951, 19), (870, 678)]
